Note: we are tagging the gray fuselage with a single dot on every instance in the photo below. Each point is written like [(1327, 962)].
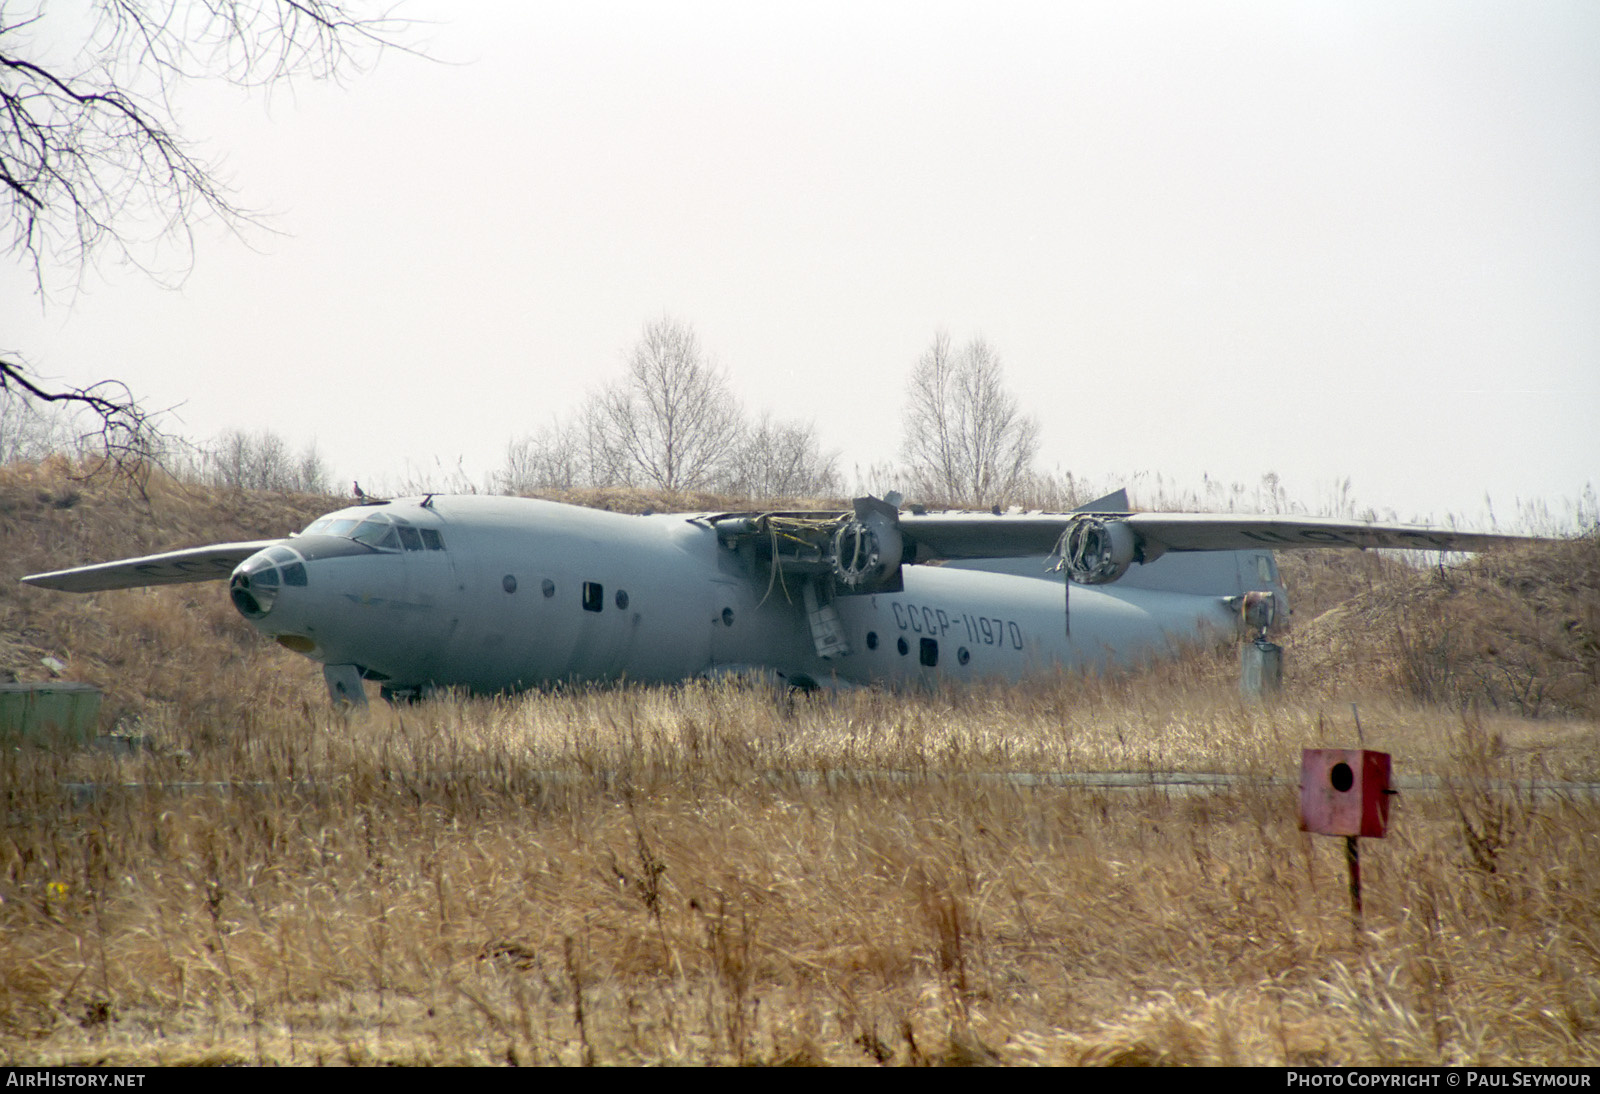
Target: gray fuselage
[(501, 594)]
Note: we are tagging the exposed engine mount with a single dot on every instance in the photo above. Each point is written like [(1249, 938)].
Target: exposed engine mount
[(868, 548), (857, 552), (1095, 551)]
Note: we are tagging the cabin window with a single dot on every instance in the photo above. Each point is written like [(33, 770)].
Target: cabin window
[(509, 583), (929, 652), (902, 647), (594, 596), (872, 640), (963, 656), (549, 588), (622, 599), (727, 617)]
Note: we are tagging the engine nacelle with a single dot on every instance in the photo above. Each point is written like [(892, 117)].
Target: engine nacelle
[(1096, 551), (867, 551)]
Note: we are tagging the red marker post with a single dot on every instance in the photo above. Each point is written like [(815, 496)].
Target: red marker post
[(1345, 792)]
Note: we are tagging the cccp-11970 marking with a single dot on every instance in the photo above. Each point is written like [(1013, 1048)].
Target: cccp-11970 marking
[(984, 630)]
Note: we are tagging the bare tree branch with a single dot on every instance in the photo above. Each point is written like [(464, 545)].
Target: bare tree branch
[(124, 436), (90, 159)]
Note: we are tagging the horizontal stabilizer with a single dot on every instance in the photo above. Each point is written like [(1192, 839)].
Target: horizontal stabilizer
[(212, 563)]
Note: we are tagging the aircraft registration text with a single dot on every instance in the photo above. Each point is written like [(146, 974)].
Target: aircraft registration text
[(978, 629)]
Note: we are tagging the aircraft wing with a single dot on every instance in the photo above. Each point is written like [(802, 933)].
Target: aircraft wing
[(983, 535), (864, 550), (1205, 532), (213, 563)]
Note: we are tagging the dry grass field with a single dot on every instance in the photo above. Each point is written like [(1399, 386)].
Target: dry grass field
[(713, 875)]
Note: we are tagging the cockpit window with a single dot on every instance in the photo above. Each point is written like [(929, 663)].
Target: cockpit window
[(378, 530), (379, 534), (294, 571)]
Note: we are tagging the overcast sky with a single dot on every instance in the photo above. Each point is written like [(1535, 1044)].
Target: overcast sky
[(1328, 240)]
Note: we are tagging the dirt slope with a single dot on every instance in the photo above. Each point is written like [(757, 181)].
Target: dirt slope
[(180, 648), (1515, 630)]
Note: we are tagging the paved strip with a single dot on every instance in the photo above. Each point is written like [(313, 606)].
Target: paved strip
[(1189, 782)]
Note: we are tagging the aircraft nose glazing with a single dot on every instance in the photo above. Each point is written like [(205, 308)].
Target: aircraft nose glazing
[(255, 584)]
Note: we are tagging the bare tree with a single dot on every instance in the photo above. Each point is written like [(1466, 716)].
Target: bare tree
[(91, 159), (672, 423), (782, 459), (966, 443)]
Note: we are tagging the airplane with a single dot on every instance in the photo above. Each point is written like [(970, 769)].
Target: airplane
[(489, 595)]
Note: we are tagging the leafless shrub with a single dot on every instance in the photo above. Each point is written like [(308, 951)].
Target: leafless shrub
[(29, 432), (1426, 660), (440, 478), (781, 459), (261, 460), (555, 458), (730, 923), (942, 910)]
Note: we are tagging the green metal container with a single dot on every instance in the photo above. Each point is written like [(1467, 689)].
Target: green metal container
[(55, 711)]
